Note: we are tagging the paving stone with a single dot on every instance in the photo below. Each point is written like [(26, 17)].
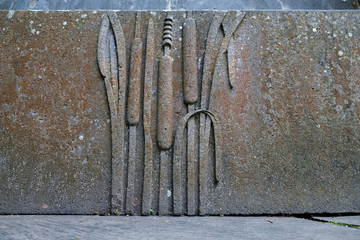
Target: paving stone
[(352, 220), (93, 227), (173, 5)]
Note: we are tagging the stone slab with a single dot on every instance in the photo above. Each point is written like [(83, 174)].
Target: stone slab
[(93, 227), (274, 128), (352, 220), (173, 5), (55, 148)]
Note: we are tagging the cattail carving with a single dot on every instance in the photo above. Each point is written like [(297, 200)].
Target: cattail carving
[(165, 91), (134, 82), (190, 62), (165, 119), (186, 184), (133, 115), (147, 200)]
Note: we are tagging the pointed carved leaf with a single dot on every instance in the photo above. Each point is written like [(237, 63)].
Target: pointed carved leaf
[(209, 59), (121, 53), (103, 47)]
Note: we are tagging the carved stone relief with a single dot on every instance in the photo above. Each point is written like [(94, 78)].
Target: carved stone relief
[(179, 113), (184, 162)]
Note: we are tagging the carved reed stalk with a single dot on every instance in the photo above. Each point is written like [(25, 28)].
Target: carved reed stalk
[(190, 85), (133, 114), (148, 158), (190, 62), (208, 82), (208, 70), (191, 97), (112, 62), (165, 119)]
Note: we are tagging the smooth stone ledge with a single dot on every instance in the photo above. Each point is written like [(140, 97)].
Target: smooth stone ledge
[(94, 227)]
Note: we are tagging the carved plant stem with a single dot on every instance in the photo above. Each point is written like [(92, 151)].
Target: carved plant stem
[(223, 48), (112, 64), (190, 85), (209, 65), (180, 141), (192, 167), (165, 120), (211, 56), (147, 199), (134, 114), (165, 128)]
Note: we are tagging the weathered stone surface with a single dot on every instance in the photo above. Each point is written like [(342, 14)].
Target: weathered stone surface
[(291, 123), (276, 121), (93, 227), (173, 4), (55, 145)]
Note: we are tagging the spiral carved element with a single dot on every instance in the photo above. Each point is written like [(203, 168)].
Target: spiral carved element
[(168, 34)]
